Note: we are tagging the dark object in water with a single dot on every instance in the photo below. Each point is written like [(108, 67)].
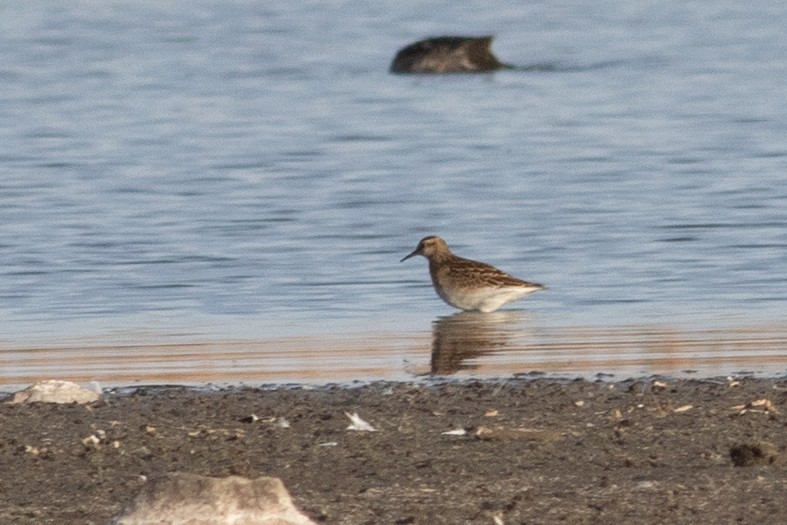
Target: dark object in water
[(447, 54)]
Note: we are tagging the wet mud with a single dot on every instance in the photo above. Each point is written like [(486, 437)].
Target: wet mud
[(529, 450)]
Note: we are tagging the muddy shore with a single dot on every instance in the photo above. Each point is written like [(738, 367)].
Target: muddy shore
[(529, 450)]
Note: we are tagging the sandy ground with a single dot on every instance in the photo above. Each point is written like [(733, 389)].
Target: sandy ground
[(526, 451)]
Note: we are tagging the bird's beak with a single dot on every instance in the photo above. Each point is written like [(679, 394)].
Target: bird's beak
[(415, 252)]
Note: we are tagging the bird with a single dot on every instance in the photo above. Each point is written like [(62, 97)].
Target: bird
[(466, 284), (447, 54)]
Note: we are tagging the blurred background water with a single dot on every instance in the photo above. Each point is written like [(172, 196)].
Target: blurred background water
[(221, 191)]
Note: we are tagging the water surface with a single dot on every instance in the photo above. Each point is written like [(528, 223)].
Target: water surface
[(213, 191)]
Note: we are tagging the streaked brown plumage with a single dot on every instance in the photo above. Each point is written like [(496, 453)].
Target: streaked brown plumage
[(467, 284)]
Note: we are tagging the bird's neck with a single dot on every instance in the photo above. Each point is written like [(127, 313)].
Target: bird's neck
[(440, 258)]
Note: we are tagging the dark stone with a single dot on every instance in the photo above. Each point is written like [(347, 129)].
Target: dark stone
[(447, 54)]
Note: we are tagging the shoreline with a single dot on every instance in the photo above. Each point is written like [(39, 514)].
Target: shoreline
[(522, 450)]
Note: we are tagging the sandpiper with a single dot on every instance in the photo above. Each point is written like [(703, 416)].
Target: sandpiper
[(466, 284)]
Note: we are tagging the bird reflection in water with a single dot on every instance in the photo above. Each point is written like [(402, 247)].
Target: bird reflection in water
[(459, 339)]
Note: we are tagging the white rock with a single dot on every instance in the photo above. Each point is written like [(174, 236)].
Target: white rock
[(53, 391), (181, 499)]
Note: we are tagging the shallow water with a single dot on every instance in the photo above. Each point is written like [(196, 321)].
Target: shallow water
[(498, 345), (214, 191)]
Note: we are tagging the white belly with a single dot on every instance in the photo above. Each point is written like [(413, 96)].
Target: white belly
[(483, 299)]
